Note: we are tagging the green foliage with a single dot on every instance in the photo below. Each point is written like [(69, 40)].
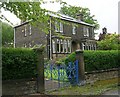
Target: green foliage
[(25, 10), (111, 42), (98, 60), (73, 11), (101, 60), (55, 75), (18, 63), (70, 58), (29, 11), (7, 35)]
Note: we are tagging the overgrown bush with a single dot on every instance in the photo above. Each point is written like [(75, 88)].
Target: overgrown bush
[(18, 63), (98, 60), (110, 42)]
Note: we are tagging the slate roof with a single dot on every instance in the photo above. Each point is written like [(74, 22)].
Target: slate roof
[(68, 18), (63, 17)]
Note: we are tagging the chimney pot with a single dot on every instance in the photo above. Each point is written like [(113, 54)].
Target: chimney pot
[(80, 17), (104, 30)]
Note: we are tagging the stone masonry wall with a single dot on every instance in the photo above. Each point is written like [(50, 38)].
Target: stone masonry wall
[(101, 75)]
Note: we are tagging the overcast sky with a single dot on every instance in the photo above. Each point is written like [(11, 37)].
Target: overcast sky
[(105, 11)]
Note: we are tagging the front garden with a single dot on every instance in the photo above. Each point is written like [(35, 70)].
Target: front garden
[(97, 88), (21, 64)]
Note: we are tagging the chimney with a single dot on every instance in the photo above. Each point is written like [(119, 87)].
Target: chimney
[(104, 30), (80, 17), (22, 21)]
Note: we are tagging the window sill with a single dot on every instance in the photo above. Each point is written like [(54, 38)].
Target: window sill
[(74, 34), (62, 53)]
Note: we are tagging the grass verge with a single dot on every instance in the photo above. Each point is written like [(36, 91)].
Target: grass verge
[(96, 88)]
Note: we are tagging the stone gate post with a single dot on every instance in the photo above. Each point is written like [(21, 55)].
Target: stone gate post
[(81, 68), (40, 69)]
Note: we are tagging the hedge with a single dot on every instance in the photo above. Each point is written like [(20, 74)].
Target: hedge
[(98, 60), (18, 63)]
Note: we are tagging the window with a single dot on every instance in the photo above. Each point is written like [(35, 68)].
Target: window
[(94, 46), (61, 27), (30, 30), (58, 27), (58, 45), (25, 33), (62, 46), (92, 33), (53, 46), (83, 46), (25, 45), (74, 30), (86, 31), (89, 47), (23, 30), (65, 46), (69, 46), (30, 45), (86, 46)]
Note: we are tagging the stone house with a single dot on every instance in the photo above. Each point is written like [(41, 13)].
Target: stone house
[(102, 35), (76, 35)]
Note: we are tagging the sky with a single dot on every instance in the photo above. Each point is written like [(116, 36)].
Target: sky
[(105, 11)]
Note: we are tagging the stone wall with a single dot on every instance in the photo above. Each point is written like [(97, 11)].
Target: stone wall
[(100, 75)]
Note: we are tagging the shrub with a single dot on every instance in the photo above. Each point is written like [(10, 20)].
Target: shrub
[(18, 63), (98, 60), (110, 42)]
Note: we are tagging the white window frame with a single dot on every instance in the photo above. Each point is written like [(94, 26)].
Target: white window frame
[(86, 46), (83, 46), (61, 27), (58, 43), (25, 33), (53, 46), (89, 46), (30, 30), (86, 31), (30, 45), (23, 30), (93, 34), (62, 45), (25, 45), (74, 30), (69, 45), (94, 46), (65, 46), (57, 27)]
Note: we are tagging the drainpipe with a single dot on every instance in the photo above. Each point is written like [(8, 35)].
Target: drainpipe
[(14, 37), (50, 40)]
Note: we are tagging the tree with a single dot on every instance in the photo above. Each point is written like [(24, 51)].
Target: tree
[(26, 10), (72, 11), (110, 42), (29, 11), (7, 35)]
